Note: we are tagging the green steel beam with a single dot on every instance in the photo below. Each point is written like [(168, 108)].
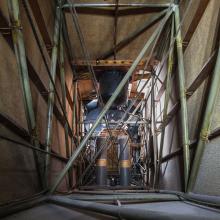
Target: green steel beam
[(166, 101), (205, 130), (51, 95), (63, 88), (18, 41), (182, 92)]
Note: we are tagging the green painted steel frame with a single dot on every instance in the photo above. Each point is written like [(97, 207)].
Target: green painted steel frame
[(18, 41), (51, 96), (182, 93)]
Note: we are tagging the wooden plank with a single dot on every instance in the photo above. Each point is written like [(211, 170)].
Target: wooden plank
[(190, 31), (136, 76), (134, 94), (160, 92)]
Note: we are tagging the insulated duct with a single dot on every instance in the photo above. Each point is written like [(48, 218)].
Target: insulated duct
[(108, 82)]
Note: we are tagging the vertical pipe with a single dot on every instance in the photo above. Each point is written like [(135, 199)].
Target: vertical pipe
[(130, 37), (101, 163), (51, 90), (63, 88), (79, 118), (205, 130), (182, 92), (124, 162), (74, 114), (166, 101), (146, 145), (74, 107), (18, 40), (108, 104), (154, 128)]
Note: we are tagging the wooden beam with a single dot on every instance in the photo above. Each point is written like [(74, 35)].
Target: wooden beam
[(202, 5), (34, 5), (215, 133), (137, 76), (100, 65)]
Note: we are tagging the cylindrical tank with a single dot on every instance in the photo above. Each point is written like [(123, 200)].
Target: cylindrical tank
[(101, 163), (108, 82), (124, 160)]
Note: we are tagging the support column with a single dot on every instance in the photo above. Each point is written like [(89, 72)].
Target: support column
[(166, 102), (63, 87), (124, 161), (18, 40), (205, 130), (182, 92), (101, 163), (51, 90)]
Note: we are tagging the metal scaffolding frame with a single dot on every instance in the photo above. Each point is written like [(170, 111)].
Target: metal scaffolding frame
[(57, 57)]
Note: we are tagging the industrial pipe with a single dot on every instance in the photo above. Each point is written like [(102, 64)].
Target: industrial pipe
[(63, 89), (25, 204), (166, 102), (101, 163), (144, 197), (108, 104), (111, 210), (18, 41), (74, 127), (121, 212), (124, 161)]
